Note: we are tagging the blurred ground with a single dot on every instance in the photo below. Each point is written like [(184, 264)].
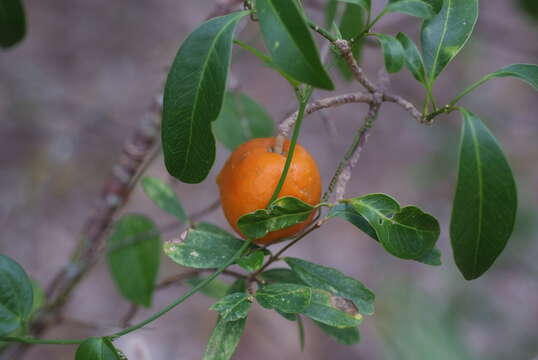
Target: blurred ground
[(77, 86)]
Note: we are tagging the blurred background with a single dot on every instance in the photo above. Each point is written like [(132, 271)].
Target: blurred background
[(76, 88)]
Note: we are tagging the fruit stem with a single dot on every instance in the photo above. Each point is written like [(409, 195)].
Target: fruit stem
[(302, 97)]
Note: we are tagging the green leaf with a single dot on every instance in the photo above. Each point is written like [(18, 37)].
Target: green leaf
[(193, 98), (365, 4), (485, 202), (97, 349), (281, 275), (224, 339), (16, 296), (240, 120), (407, 233), (432, 258), (435, 4), (416, 8), (288, 298), (233, 307), (393, 52), (252, 261), (290, 42), (345, 336), (163, 196), (330, 12), (12, 22), (133, 257), (332, 310), (288, 316), (444, 35), (347, 212), (216, 289), (334, 281), (205, 247), (282, 213), (413, 59), (39, 298)]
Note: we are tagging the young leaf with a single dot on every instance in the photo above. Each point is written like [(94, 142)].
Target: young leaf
[(193, 98), (16, 296), (444, 35), (282, 213), (393, 52), (413, 59), (290, 42), (485, 202), (163, 196), (407, 233), (416, 8), (240, 120), (252, 261), (133, 257), (97, 349), (281, 275), (204, 247), (347, 212), (216, 289), (332, 310), (334, 281), (12, 22), (224, 339), (365, 4), (345, 336), (233, 307), (288, 298)]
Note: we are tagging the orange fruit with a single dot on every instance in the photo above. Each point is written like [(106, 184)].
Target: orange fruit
[(250, 175)]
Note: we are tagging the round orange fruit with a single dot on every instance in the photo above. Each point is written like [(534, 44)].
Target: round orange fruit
[(250, 175)]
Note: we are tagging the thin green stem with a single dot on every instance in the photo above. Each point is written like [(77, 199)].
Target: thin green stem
[(30, 340), (468, 90), (303, 102), (322, 31), (182, 298)]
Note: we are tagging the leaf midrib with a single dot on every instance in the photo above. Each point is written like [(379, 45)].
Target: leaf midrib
[(443, 36), (480, 191), (393, 221), (203, 74)]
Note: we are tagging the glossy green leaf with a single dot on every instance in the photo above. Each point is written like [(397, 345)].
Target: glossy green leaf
[(407, 233), (344, 336), (365, 4), (393, 52), (413, 59), (485, 202), (282, 213), (252, 261), (332, 310), (240, 120), (347, 212), (193, 98), (97, 349), (435, 4), (290, 42), (205, 247), (288, 298), (416, 8), (133, 257), (444, 35), (288, 316), (16, 296), (233, 307), (330, 11), (39, 298), (216, 289), (12, 22), (163, 196), (282, 275), (224, 339), (334, 281), (239, 285)]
